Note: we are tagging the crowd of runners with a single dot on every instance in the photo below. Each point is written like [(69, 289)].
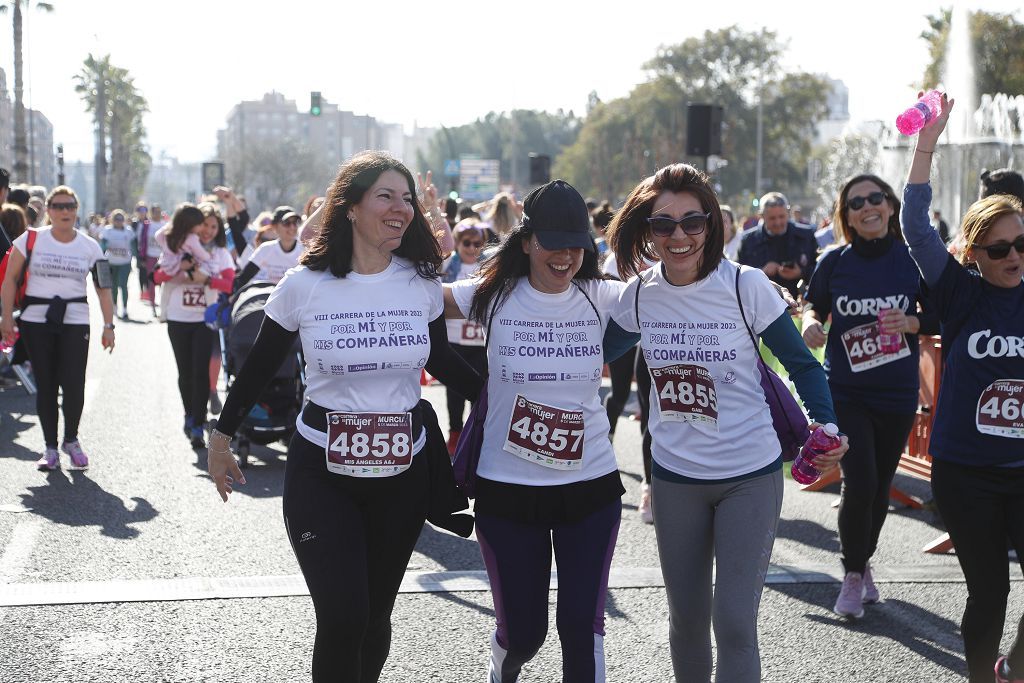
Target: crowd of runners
[(521, 309)]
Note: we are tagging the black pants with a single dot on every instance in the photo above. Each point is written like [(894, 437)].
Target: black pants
[(353, 539), (877, 440), (476, 356), (620, 371), (59, 357), (982, 507), (643, 397), (191, 343)]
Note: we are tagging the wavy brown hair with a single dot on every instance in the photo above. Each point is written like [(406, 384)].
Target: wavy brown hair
[(842, 227), (331, 246), (630, 234)]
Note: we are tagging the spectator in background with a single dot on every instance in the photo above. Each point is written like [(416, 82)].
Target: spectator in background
[(451, 212), (785, 251), (501, 216), (940, 225), (601, 217), (18, 195), (13, 222), (1003, 181), (798, 215), (826, 234), (732, 235), (5, 184)]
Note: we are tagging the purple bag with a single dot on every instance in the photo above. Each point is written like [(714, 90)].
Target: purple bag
[(788, 418), (467, 450)]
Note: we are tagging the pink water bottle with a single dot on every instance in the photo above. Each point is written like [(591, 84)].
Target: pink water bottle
[(888, 343), (921, 114), (822, 440)]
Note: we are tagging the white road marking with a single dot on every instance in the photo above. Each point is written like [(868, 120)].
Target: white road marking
[(19, 550)]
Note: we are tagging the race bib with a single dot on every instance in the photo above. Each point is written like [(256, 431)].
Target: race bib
[(471, 333), (864, 350), (369, 444), (546, 435), (999, 409), (193, 297), (686, 393), (117, 252)]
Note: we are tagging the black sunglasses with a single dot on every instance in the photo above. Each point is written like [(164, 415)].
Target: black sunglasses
[(875, 199), (63, 206), (1001, 251), (692, 224), (471, 243)]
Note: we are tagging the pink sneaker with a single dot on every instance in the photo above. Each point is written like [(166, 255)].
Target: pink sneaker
[(79, 460), (646, 513), (870, 590), (49, 462), (850, 602), (1003, 673)]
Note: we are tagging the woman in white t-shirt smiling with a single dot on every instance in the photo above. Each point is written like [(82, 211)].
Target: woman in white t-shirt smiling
[(368, 461), (272, 259), (55, 319), (717, 470), (547, 477)]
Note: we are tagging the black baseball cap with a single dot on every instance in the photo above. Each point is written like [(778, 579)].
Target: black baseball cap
[(5, 178), (282, 211), (557, 215)]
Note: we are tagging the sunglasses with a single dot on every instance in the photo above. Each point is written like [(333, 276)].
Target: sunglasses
[(692, 224), (291, 221), (857, 203), (472, 243), (63, 206), (1001, 251)]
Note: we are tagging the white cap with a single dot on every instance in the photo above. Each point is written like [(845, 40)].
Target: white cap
[(831, 429)]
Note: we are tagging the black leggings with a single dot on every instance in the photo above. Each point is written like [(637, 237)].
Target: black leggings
[(643, 397), (476, 356), (620, 371), (353, 539), (876, 444), (982, 507), (191, 343), (59, 357)]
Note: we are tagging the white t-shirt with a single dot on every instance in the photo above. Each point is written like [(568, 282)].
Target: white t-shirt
[(694, 342), (58, 269), (466, 332), (274, 261), (545, 349), (186, 302), (153, 249), (364, 337), (119, 245)]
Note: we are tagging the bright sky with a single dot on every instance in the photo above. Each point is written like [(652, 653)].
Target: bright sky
[(442, 62)]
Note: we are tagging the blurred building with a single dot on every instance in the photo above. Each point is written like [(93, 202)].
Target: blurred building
[(38, 136), (837, 99)]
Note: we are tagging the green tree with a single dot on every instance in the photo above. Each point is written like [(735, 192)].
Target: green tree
[(20, 140), (626, 139), (998, 44), (122, 162), (277, 171)]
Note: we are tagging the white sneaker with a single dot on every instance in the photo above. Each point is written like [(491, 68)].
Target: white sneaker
[(646, 513)]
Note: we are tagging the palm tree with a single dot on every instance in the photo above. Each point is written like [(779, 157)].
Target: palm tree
[(20, 143)]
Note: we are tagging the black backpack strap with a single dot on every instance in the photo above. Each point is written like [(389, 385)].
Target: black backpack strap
[(589, 301), (743, 315)]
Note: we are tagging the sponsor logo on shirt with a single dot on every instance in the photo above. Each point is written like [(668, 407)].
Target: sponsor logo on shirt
[(337, 369), (362, 367), (404, 365), (575, 376), (982, 344), (519, 377), (542, 376), (870, 306)]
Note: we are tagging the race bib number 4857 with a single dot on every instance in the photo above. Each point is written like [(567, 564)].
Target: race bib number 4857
[(1001, 409), (369, 444), (546, 435), (686, 393)]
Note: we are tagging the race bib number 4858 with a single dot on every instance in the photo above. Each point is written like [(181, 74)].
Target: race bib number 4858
[(546, 435), (1001, 409), (369, 444), (686, 393)]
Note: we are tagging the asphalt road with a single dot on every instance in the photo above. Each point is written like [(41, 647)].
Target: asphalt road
[(144, 521)]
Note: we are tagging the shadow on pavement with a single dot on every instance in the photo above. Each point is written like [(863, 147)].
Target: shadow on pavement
[(264, 476), (12, 426), (453, 553), (809, 533), (80, 501)]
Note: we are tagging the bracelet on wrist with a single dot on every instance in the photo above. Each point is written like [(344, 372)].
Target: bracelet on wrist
[(925, 151)]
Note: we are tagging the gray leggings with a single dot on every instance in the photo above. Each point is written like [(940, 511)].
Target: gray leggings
[(732, 523)]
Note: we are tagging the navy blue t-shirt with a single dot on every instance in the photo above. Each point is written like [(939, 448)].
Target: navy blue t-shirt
[(978, 417), (853, 283)]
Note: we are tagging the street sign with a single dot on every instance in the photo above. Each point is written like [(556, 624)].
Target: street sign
[(479, 178), (451, 168)]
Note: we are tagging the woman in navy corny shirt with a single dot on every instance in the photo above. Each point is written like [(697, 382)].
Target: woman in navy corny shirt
[(977, 444), (874, 389)]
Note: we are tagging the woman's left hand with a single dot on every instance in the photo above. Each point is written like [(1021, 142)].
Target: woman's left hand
[(429, 191), (108, 340), (826, 461)]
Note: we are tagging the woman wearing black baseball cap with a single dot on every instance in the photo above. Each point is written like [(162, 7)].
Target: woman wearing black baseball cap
[(547, 477)]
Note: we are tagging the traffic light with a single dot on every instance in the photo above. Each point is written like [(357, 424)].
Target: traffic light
[(314, 103)]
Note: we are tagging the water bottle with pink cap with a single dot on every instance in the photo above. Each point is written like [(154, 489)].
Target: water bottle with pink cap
[(924, 111)]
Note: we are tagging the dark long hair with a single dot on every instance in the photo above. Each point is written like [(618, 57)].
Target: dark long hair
[(500, 272), (186, 217), (210, 209), (331, 247), (843, 227), (630, 234)]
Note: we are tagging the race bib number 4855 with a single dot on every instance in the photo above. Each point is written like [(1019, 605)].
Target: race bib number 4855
[(369, 444), (1001, 409), (546, 435), (686, 393)]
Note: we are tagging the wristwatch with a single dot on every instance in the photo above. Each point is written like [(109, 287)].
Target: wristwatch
[(108, 326)]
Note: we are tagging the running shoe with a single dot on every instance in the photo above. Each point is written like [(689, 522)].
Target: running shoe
[(215, 405), (79, 460), (1003, 673), (646, 513), (870, 590), (197, 438), (50, 460), (850, 602), (188, 426)]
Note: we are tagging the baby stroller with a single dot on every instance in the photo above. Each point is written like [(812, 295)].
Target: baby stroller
[(273, 417)]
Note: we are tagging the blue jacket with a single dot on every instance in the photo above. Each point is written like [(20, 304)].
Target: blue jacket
[(798, 245)]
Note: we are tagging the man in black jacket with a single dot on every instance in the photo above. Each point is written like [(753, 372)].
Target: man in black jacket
[(785, 251)]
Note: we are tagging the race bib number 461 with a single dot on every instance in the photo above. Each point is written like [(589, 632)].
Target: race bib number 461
[(865, 351), (546, 435), (369, 444), (1000, 409), (686, 393)]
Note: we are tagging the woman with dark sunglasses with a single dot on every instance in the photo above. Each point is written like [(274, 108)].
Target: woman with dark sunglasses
[(717, 471), (977, 443), (870, 287)]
